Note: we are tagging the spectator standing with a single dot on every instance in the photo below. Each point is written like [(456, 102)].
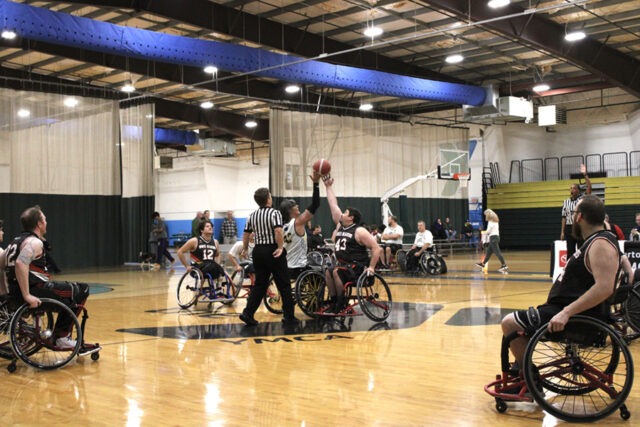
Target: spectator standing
[(159, 230), (568, 209), (207, 217), (229, 229), (195, 223)]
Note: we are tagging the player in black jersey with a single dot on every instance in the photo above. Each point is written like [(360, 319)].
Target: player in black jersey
[(588, 280), (204, 251), (28, 277), (352, 246)]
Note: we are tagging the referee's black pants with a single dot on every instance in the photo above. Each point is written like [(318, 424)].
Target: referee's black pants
[(265, 266), (571, 241)]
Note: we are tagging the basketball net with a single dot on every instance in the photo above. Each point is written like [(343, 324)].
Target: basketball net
[(462, 178)]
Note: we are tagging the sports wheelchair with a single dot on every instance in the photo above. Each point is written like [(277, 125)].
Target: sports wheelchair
[(581, 374), (316, 261), (431, 262), (28, 333), (243, 282), (195, 286), (625, 313), (372, 294)]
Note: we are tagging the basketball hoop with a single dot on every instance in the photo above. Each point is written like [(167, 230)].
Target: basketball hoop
[(462, 178)]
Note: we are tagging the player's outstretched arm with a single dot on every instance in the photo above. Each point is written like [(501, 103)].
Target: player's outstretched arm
[(313, 207), (336, 212)]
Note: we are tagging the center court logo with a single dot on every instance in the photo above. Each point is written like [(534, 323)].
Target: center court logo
[(300, 338)]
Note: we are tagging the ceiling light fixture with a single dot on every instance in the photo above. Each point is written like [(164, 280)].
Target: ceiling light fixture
[(251, 124), (24, 113), (574, 36), (292, 88), (211, 69), (542, 87), (71, 101), (494, 4), (454, 59), (373, 31), (8, 34), (206, 105), (128, 87), (366, 107)]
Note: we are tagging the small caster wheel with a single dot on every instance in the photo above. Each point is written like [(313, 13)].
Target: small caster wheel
[(501, 406), (11, 368), (95, 356), (624, 412)]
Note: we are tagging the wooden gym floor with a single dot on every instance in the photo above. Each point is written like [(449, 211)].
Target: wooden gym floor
[(161, 366)]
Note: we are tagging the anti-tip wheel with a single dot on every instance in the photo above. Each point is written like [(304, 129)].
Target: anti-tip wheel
[(624, 412), (11, 368)]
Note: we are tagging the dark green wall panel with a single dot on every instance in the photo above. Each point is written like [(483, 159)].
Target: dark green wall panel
[(85, 231), (413, 210)]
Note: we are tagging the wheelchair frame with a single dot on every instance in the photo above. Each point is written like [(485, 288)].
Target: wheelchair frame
[(564, 371), (26, 333), (193, 290), (311, 295)]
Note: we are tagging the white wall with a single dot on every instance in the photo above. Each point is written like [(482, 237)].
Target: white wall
[(519, 141), (217, 184)]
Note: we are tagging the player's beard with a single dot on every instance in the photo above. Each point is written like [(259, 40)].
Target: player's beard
[(576, 232)]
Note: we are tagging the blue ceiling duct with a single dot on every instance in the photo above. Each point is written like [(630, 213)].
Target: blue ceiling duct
[(60, 28)]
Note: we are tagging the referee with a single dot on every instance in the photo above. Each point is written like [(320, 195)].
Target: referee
[(568, 209), (269, 258)]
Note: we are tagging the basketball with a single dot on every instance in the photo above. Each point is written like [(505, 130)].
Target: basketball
[(322, 166)]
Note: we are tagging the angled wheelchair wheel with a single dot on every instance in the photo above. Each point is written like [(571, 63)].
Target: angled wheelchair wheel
[(581, 374), (310, 292), (631, 307), (401, 259), (272, 299), (237, 279), (5, 321), (189, 288), (33, 335), (431, 264), (374, 297), (229, 289)]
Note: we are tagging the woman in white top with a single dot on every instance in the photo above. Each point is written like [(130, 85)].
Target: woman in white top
[(491, 240)]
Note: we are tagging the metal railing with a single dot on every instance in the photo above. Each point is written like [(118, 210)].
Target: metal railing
[(553, 168)]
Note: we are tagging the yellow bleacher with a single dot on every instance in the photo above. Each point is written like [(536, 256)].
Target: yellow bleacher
[(547, 194)]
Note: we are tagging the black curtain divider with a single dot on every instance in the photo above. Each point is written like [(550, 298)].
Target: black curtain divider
[(85, 231)]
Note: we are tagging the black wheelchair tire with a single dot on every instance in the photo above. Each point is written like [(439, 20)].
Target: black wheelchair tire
[(25, 356), (620, 357)]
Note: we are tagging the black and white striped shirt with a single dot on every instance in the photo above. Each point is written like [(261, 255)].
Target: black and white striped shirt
[(263, 222), (569, 208)]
